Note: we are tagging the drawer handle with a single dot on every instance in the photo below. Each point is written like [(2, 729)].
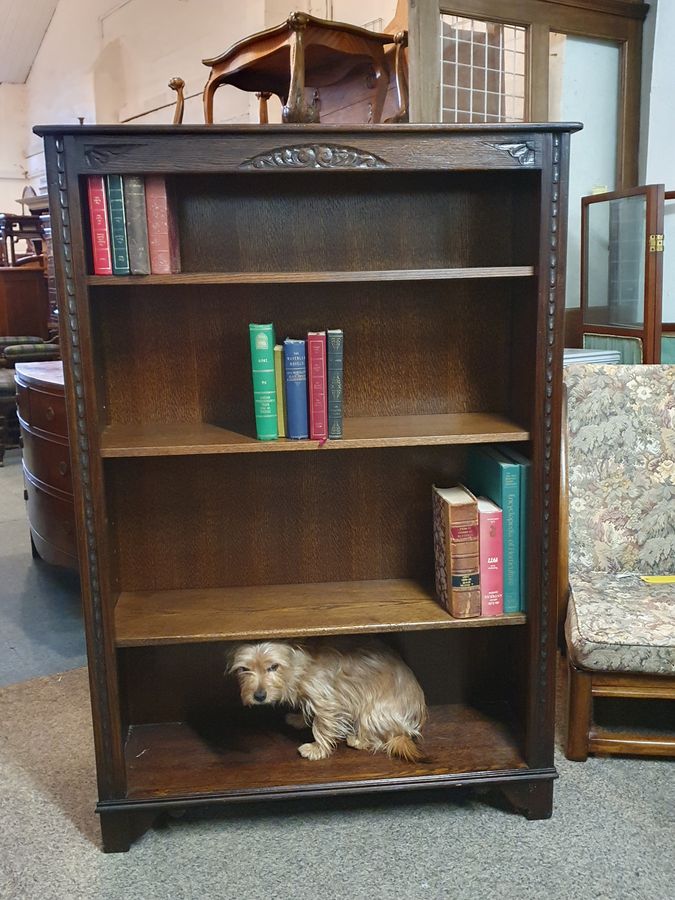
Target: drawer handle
[(50, 413), (63, 467)]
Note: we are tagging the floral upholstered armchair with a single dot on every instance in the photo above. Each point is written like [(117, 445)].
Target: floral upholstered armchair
[(620, 473)]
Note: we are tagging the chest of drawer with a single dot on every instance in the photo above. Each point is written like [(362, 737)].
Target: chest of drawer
[(52, 517), (48, 412), (48, 460)]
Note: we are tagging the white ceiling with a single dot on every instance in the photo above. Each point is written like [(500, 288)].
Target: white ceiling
[(22, 27)]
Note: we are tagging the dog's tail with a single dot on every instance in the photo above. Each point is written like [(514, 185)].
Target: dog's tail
[(403, 746)]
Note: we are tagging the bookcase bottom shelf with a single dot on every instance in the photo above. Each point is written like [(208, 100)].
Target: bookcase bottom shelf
[(145, 618), (256, 753)]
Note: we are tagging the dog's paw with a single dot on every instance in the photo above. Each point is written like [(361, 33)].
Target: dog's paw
[(312, 751), (355, 743), (296, 720)]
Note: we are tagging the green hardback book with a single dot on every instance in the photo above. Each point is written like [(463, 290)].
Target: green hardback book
[(264, 389), (118, 225), (525, 467), (492, 475), (280, 384)]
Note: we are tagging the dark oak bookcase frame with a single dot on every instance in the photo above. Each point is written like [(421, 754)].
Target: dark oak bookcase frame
[(440, 250)]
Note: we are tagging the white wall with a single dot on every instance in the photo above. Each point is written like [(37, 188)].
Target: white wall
[(12, 144)]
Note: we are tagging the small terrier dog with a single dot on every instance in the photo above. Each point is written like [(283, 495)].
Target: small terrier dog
[(363, 694)]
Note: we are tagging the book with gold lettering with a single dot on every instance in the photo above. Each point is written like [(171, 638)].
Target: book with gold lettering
[(455, 516)]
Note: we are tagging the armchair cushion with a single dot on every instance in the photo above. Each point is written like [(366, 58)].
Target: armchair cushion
[(9, 340), (31, 352), (7, 386), (620, 624)]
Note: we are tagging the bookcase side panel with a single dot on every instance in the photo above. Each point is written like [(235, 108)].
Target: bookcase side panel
[(546, 453), (88, 488)]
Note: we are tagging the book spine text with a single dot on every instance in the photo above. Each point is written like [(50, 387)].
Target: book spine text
[(295, 373), (335, 349), (137, 224), (264, 390), (98, 221), (316, 377), (490, 568), (457, 563), (118, 225)]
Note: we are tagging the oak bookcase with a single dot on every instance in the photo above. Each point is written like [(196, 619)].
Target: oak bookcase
[(440, 251)]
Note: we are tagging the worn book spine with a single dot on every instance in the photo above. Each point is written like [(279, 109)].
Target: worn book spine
[(264, 389), (137, 224), (280, 388), (295, 373), (162, 227), (490, 567), (456, 552), (335, 342), (98, 223), (316, 380), (118, 225)]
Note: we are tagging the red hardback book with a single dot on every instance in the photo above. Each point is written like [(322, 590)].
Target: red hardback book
[(162, 230), (100, 229), (317, 383), (490, 555)]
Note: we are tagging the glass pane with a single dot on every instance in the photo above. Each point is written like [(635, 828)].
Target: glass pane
[(668, 349), (629, 348), (483, 71), (668, 310), (575, 64), (615, 278)]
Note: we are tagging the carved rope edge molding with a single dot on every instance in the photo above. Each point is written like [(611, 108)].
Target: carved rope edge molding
[(100, 154), (551, 302), (315, 156), (523, 153), (96, 664)]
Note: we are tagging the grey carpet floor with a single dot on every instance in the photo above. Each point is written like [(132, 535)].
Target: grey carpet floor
[(612, 834), (40, 617)]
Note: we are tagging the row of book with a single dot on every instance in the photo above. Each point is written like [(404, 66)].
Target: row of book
[(133, 225), (297, 385), (480, 536)]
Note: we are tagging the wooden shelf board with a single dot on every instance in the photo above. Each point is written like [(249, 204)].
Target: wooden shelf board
[(378, 431), (254, 751), (145, 618), (313, 277)]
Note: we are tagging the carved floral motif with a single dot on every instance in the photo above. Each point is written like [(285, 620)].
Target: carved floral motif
[(315, 156)]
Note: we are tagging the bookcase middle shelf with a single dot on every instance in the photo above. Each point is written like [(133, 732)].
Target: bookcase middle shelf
[(193, 438), (256, 612)]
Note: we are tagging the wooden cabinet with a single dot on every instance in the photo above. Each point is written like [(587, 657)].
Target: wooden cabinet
[(46, 461), (440, 252)]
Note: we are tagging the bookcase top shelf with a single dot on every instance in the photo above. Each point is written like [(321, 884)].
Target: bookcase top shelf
[(312, 277), (364, 432), (145, 618)]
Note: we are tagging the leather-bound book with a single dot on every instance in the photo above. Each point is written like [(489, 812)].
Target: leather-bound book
[(118, 225), (162, 227), (137, 224), (316, 379), (455, 514), (335, 341), (295, 375), (98, 223)]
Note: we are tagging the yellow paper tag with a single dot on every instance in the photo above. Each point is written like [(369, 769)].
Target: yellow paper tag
[(658, 579)]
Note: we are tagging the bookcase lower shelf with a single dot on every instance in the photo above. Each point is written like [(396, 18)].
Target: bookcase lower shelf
[(256, 753)]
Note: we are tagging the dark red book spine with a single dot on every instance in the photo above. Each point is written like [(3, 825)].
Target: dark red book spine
[(100, 228), (317, 382), (162, 230)]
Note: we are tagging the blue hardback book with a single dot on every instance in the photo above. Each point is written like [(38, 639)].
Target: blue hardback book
[(492, 475), (525, 467), (295, 373)]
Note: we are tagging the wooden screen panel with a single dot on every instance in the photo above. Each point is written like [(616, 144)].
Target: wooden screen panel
[(177, 354), (381, 220), (210, 521)]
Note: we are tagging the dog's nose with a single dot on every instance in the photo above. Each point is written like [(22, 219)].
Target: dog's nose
[(260, 696)]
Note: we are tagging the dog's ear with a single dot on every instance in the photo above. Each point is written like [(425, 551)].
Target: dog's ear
[(230, 654)]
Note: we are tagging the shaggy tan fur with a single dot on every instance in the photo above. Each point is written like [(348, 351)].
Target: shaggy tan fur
[(361, 693)]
